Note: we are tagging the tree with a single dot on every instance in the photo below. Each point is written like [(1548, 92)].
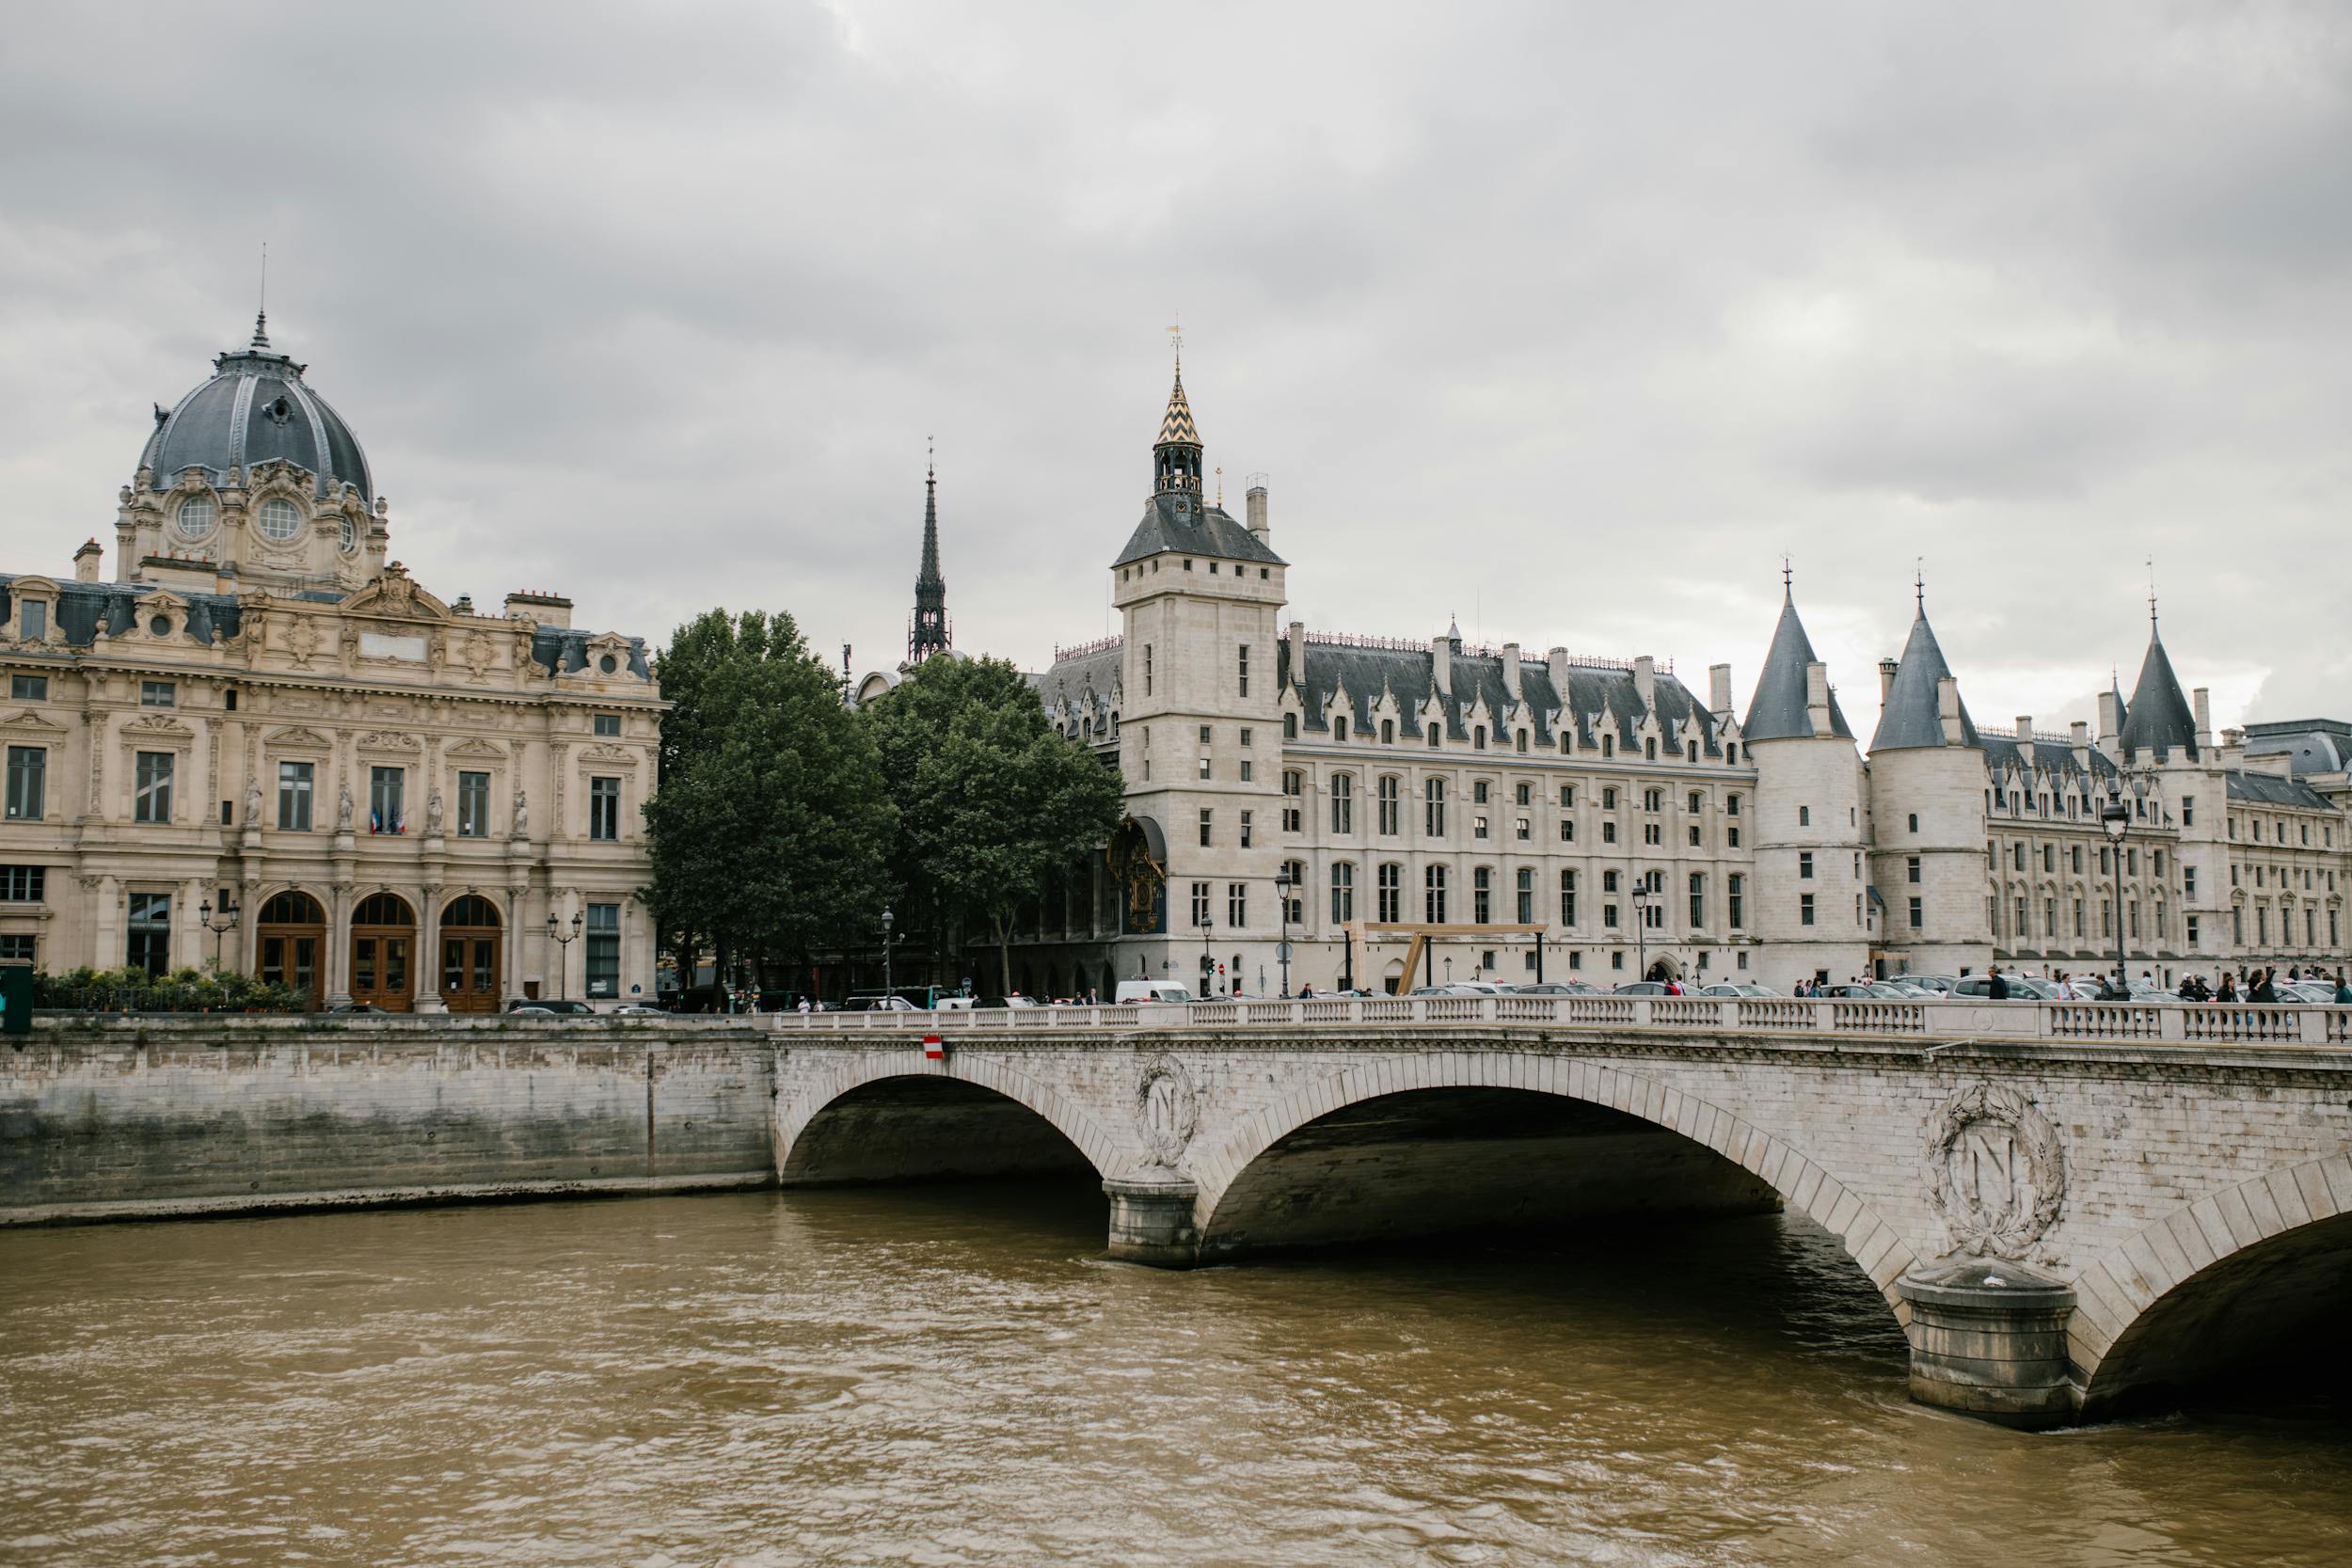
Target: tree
[(770, 824), (992, 801)]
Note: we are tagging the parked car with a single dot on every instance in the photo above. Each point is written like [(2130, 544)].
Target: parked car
[(1452, 988), (1940, 984), (1978, 988), (1139, 991), (355, 1007), (1738, 987), (638, 1009), (1644, 987), (548, 1004), (1556, 988), (878, 1002), (1016, 999)]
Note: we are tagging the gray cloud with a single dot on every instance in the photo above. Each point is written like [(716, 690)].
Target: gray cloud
[(1570, 320)]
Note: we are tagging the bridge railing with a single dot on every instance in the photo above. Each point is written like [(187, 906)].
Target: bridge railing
[(1957, 1021)]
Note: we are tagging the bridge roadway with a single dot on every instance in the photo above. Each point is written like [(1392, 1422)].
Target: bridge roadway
[(2070, 1208)]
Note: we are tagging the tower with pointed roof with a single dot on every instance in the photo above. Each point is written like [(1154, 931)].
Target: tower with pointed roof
[(1199, 596), (1812, 908), (1927, 782), (929, 631)]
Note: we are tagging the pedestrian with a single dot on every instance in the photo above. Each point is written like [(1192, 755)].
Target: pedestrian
[(1306, 990), (2066, 988), (1997, 988), (2229, 988), (2264, 990), (2343, 990), (805, 1006)]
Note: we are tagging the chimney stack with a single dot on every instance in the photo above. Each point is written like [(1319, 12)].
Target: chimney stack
[(2025, 728), (1646, 681), (1511, 669), (2080, 734), (1886, 679), (1947, 710), (1718, 689), (1254, 503), (2202, 699), (1442, 665), (1817, 696), (2110, 721), (86, 561)]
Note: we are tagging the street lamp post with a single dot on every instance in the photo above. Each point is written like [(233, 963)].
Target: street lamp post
[(888, 918), (204, 917), (1448, 969), (562, 945), (1282, 886), (2115, 820), (1641, 924), (1208, 964)]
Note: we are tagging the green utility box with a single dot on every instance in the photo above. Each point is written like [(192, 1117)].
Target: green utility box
[(16, 998)]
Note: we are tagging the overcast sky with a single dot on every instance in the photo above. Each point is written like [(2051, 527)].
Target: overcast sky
[(1568, 320)]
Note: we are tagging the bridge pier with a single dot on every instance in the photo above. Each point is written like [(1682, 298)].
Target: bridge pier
[(1151, 1218), (1988, 1338)]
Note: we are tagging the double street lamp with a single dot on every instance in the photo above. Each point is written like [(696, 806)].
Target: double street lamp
[(562, 943), (204, 918), (889, 918), (2115, 820), (1283, 887)]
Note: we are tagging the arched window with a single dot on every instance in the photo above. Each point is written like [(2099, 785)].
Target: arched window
[(383, 909), (292, 907)]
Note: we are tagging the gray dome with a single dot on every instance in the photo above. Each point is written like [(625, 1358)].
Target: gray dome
[(256, 410)]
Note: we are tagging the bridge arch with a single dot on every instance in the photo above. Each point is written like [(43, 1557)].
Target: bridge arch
[(2238, 1270), (1226, 1172), (814, 1123)]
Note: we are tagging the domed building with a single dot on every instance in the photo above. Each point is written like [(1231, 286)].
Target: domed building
[(259, 742)]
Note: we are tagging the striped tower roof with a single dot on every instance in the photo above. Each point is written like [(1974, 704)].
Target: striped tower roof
[(1176, 427)]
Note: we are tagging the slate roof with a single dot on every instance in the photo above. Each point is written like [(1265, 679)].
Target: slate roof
[(1912, 716), (1778, 710), (2158, 719), (1185, 523), (2005, 754), (2269, 789), (1365, 674), (256, 407), (2310, 745), (84, 606), (1071, 679)]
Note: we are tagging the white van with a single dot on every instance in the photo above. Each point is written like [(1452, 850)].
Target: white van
[(1152, 991)]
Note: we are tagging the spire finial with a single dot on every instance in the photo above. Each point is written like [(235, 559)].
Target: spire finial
[(2151, 595), (1176, 341), (261, 313), (1220, 484), (930, 460), (1919, 582), (1788, 581)]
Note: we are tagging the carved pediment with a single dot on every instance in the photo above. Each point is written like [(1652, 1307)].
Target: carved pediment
[(608, 756), (27, 723), (294, 737), (157, 725), (475, 747), (389, 740), (395, 595)]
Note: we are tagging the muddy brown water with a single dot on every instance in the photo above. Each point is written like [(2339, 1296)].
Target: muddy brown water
[(945, 1376)]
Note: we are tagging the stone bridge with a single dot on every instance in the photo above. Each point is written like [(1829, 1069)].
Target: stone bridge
[(2070, 1208)]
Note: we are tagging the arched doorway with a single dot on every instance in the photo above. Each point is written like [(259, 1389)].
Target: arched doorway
[(472, 951), (383, 947), (292, 934)]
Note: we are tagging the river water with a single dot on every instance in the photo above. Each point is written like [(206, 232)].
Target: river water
[(939, 1377)]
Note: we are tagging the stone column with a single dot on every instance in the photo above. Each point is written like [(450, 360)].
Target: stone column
[(1151, 1218), (339, 940), (1988, 1338), (428, 969)]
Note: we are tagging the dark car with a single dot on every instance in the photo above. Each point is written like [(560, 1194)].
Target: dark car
[(548, 1004), (1644, 987), (1013, 1001), (355, 1007)]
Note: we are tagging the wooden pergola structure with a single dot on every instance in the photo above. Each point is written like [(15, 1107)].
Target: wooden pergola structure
[(1417, 937)]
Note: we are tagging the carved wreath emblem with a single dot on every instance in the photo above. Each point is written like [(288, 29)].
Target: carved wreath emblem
[(1996, 1171), (1166, 1113)]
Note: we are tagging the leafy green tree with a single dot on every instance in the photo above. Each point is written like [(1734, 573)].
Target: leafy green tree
[(992, 801), (770, 824)]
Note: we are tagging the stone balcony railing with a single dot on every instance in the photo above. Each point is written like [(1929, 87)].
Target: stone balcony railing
[(1962, 1021)]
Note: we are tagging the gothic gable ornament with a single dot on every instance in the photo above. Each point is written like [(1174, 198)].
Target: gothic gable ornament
[(1996, 1171), (1165, 1113)]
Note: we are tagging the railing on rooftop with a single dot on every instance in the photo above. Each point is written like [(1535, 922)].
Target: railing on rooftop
[(1477, 650), (1100, 645), (1915, 1025)]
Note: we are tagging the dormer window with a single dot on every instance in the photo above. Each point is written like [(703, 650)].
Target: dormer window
[(277, 518), (350, 534), (32, 619)]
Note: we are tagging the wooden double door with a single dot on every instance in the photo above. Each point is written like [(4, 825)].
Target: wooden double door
[(291, 946), (472, 958), (383, 953)]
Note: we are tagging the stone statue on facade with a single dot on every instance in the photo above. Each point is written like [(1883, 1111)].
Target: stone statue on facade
[(253, 803), (522, 814), (433, 811), (342, 810)]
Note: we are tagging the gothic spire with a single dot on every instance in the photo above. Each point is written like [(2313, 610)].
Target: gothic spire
[(927, 633), (1176, 455)]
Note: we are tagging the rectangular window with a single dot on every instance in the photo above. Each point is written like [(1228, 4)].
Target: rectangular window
[(1609, 800), (1391, 894), (23, 884), (474, 805), (2192, 930), (1481, 895), (1208, 821), (1245, 830), (1433, 894), (18, 949), (1804, 908), (1433, 809), (1521, 828), (29, 779), (1568, 831), (1343, 803), (1342, 893), (1804, 864), (1735, 902), (608, 724), (1609, 832), (158, 694), (1609, 915), (387, 795), (1478, 827), (150, 945), (1650, 831), (1919, 920), (1526, 888), (1204, 767), (1245, 670), (1237, 904), (295, 781), (1911, 869), (1696, 802), (1390, 810), (1567, 797), (1698, 900), (1246, 772), (604, 809), (603, 954), (2188, 811), (151, 785), (1568, 899), (28, 689), (1147, 669), (32, 620), (1200, 905)]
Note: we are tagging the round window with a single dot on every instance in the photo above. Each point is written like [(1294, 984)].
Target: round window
[(195, 516), (607, 664), (159, 626), (351, 534), (280, 518)]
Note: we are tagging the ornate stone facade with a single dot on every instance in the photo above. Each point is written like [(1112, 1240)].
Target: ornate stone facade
[(260, 712)]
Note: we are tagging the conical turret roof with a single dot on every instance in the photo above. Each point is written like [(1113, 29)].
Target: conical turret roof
[(1176, 427), (2158, 719), (1779, 711), (1912, 716)]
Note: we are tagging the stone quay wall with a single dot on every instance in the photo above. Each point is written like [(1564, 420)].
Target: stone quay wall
[(145, 1118)]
